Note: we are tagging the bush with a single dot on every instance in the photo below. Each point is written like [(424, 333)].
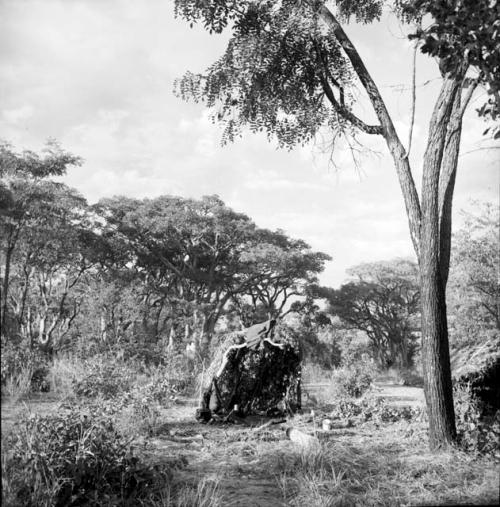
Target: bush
[(72, 459), (478, 427), (13, 360), (144, 403), (40, 379), (65, 372), (17, 361), (350, 382), (375, 410), (104, 377)]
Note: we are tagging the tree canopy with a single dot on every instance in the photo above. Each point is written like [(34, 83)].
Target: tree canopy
[(383, 301), (162, 270)]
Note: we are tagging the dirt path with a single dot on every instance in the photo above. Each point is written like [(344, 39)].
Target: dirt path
[(231, 455)]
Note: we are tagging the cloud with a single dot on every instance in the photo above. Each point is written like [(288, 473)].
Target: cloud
[(98, 76)]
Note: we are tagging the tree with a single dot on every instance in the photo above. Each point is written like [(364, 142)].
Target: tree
[(278, 268), (48, 265), (474, 289), (24, 190), (290, 69), (383, 301), (196, 256)]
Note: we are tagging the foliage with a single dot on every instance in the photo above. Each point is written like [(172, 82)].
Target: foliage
[(140, 276), (318, 343), (18, 362), (474, 289), (72, 459), (274, 70), (353, 345), (104, 378), (350, 382), (463, 32), (373, 409), (13, 358), (478, 425), (41, 238), (383, 302)]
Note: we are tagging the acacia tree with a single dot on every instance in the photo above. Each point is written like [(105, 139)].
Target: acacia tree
[(195, 256), (49, 264), (290, 69), (276, 268), (24, 192), (382, 300)]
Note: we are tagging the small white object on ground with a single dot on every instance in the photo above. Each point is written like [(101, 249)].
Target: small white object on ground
[(327, 424), (302, 439)]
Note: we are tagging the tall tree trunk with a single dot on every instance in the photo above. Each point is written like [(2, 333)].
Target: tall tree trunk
[(5, 292), (435, 353), (430, 226), (435, 346)]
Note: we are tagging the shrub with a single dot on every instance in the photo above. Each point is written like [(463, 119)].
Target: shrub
[(40, 382), (18, 384), (142, 410), (71, 459), (350, 382), (104, 377), (13, 360), (24, 368), (65, 372), (374, 409), (478, 427)]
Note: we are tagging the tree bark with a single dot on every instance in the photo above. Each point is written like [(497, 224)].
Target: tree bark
[(430, 228), (448, 177), (5, 291), (435, 346)]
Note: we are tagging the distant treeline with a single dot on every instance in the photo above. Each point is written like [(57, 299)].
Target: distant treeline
[(164, 273)]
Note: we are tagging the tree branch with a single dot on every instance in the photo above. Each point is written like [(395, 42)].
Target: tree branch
[(394, 144), (448, 176), (348, 115)]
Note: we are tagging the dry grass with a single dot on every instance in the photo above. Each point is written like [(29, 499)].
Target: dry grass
[(205, 493), (64, 371), (18, 384), (384, 469)]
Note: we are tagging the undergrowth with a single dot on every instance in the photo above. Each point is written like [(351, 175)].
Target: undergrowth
[(73, 458)]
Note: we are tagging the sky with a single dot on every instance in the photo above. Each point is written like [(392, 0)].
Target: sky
[(97, 76)]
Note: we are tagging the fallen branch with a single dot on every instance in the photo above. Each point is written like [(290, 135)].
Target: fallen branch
[(268, 423)]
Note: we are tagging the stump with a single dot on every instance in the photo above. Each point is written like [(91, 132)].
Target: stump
[(256, 371)]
